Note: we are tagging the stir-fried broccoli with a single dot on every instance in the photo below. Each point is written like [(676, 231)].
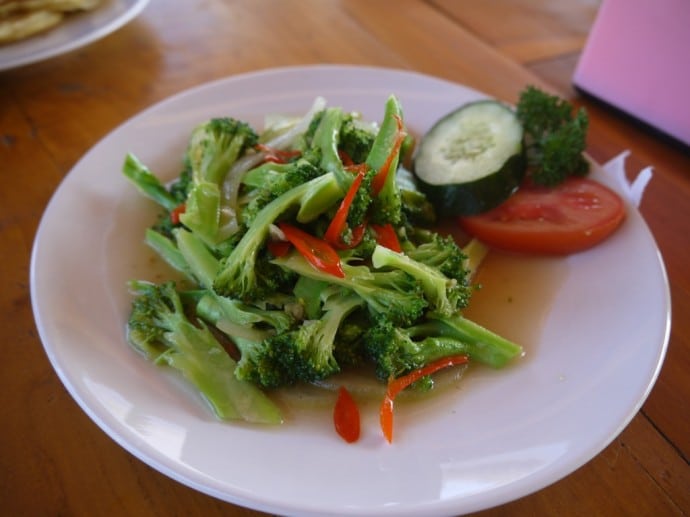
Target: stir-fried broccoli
[(445, 295), (398, 350), (159, 328), (288, 249), (555, 139)]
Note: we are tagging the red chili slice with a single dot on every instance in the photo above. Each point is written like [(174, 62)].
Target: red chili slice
[(337, 226), (346, 416), (395, 386), (386, 236), (316, 251)]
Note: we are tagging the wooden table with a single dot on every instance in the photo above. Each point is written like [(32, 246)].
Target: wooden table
[(55, 461)]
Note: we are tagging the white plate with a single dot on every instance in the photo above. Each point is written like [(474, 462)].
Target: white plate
[(75, 31), (599, 338)]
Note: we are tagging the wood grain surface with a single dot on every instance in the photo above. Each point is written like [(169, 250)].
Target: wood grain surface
[(55, 461)]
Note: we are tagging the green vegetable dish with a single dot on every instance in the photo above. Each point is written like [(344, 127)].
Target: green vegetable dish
[(306, 250)]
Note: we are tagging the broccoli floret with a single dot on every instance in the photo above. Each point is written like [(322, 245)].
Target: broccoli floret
[(445, 295), (366, 246), (356, 140), (396, 351), (213, 148), (261, 364), (300, 355), (181, 186), (159, 328), (278, 178), (416, 208), (363, 199), (215, 145), (306, 141), (238, 319), (555, 140), (394, 293), (238, 276), (349, 348), (268, 181), (387, 207), (441, 253)]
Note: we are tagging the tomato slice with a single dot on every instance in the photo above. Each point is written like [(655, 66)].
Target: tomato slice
[(573, 216)]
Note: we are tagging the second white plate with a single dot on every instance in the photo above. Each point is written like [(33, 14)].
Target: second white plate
[(75, 31)]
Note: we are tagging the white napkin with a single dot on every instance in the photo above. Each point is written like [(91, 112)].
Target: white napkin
[(634, 189)]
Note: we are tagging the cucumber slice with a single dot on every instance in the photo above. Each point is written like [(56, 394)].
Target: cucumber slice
[(472, 159)]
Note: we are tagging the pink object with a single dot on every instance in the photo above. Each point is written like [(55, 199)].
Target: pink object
[(637, 59)]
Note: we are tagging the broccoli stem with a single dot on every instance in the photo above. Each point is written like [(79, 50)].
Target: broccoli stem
[(168, 251), (475, 252), (432, 281), (200, 261), (202, 213), (326, 140), (148, 183), (387, 203), (483, 345), (228, 317), (202, 361), (386, 139)]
